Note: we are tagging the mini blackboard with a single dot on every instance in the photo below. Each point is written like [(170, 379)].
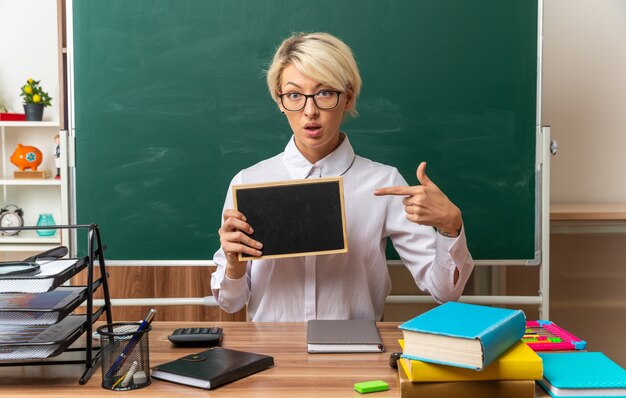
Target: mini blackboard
[(295, 218)]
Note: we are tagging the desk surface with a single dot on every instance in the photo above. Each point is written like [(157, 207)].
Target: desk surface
[(295, 374)]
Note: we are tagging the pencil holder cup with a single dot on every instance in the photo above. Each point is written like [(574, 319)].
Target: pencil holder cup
[(124, 356)]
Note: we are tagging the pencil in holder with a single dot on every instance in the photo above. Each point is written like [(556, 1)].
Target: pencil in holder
[(125, 356)]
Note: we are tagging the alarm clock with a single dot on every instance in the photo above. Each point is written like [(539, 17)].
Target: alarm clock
[(11, 216)]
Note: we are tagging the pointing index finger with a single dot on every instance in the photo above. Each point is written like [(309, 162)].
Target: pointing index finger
[(393, 191)]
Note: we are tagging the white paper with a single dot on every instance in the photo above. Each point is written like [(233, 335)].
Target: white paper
[(38, 283)]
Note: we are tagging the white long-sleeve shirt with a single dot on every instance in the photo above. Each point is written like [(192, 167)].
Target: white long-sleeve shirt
[(351, 285)]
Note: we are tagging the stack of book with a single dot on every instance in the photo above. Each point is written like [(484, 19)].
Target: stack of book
[(466, 350)]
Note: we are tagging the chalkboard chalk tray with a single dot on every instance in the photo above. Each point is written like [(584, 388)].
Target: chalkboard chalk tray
[(294, 218)]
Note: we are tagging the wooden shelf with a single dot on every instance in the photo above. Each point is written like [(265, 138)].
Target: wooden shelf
[(588, 212), (29, 241), (30, 236), (33, 182)]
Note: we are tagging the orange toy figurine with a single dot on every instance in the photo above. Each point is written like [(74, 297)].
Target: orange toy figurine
[(26, 157)]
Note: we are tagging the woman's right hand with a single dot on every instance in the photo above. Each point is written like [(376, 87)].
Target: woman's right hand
[(235, 241)]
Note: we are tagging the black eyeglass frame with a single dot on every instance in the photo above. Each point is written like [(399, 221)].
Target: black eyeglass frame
[(312, 96)]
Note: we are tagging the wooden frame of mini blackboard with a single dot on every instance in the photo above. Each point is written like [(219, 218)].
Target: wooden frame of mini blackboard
[(294, 218)]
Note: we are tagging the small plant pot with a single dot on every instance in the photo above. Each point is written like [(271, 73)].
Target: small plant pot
[(34, 112)]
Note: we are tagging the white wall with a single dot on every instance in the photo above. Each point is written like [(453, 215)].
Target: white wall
[(28, 49), (584, 98)]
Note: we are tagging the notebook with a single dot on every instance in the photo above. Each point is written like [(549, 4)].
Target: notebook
[(582, 374), (352, 335), (212, 368)]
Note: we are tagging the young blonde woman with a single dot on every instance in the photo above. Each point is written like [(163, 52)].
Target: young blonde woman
[(315, 82)]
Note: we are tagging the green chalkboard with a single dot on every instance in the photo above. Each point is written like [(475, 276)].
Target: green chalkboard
[(170, 102)]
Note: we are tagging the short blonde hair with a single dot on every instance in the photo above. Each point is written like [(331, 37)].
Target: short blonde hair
[(319, 56)]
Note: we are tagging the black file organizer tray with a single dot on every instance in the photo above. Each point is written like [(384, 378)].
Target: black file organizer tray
[(43, 282), (47, 340), (36, 309), (51, 340)]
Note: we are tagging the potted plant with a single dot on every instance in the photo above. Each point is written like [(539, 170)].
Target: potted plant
[(35, 99)]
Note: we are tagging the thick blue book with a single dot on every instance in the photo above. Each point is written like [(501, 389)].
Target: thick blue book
[(464, 335), (582, 374)]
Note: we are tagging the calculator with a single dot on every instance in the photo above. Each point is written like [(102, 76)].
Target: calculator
[(196, 336)]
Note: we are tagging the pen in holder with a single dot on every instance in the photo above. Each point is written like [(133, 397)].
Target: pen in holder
[(125, 355)]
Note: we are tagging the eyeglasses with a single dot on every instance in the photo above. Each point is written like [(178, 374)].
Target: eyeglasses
[(323, 99)]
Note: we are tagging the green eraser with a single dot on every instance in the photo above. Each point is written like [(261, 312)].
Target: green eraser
[(371, 386)]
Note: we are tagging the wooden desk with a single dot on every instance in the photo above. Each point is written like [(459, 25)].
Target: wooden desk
[(295, 374)]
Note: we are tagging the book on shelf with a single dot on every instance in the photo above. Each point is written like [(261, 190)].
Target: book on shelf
[(582, 374), (15, 117), (519, 362), (464, 335), (31, 175), (464, 389), (212, 368), (345, 335)]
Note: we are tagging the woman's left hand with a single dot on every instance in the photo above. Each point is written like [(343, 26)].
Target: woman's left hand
[(426, 204)]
